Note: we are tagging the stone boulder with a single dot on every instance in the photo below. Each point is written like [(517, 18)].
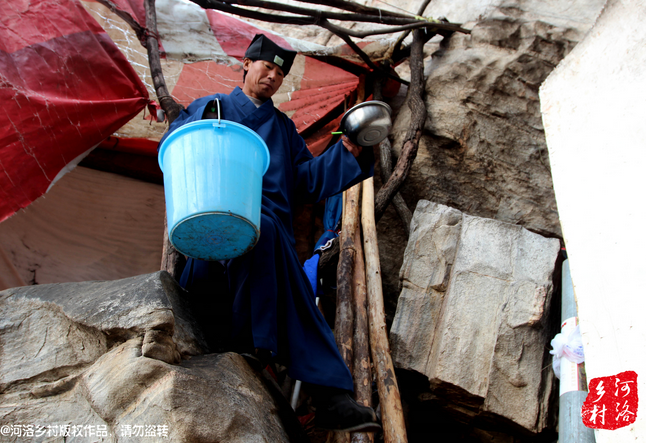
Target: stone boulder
[(483, 150), (120, 361), (473, 316)]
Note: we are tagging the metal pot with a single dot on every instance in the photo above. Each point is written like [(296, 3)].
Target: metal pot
[(367, 123)]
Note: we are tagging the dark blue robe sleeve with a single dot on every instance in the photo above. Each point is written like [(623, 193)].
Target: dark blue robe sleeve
[(332, 172)]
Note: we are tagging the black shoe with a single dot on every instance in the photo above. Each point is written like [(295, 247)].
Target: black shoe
[(340, 412), (258, 360)]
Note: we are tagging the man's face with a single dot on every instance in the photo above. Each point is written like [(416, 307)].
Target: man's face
[(263, 78)]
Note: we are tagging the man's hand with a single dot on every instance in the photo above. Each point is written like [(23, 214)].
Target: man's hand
[(351, 147)]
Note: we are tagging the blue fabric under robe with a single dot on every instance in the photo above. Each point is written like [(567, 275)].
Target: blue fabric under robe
[(272, 294)]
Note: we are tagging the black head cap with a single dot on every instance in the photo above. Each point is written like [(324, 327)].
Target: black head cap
[(262, 48)]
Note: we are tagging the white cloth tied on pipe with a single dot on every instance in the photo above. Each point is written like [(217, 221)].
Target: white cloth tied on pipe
[(569, 346)]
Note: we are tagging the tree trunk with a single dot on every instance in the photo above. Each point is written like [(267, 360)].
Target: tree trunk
[(168, 104), (411, 142), (405, 214), (172, 261), (386, 163)]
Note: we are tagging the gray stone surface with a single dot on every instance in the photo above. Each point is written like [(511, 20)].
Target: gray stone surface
[(473, 314), (483, 150), (121, 357)]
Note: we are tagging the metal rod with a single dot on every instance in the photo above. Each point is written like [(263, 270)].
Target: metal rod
[(297, 385), (571, 427), (297, 391)]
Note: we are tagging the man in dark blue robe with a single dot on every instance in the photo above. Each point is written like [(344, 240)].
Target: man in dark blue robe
[(274, 305)]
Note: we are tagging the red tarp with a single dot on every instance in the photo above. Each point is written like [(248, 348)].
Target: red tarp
[(64, 87), (322, 88)]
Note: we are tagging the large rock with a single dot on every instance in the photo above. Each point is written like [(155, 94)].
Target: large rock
[(118, 361), (485, 152), (483, 149), (473, 315)]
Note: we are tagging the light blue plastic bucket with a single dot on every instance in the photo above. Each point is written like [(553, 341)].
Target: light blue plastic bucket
[(213, 173)]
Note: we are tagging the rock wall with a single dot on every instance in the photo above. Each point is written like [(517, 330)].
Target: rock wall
[(473, 315), (483, 150), (118, 361)]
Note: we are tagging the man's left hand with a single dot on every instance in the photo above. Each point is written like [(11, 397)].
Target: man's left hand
[(351, 147)]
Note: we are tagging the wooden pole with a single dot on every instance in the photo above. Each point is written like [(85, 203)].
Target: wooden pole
[(344, 323), (361, 373), (172, 261), (390, 400), (168, 104)]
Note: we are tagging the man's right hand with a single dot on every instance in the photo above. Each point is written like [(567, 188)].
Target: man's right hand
[(351, 147)]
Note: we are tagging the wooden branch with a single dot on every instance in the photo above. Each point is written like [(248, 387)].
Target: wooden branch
[(361, 374), (402, 37), (384, 19), (172, 261), (422, 7), (170, 106), (396, 49), (339, 33), (385, 154), (404, 22), (347, 5), (404, 51), (392, 414), (315, 17), (224, 7), (343, 326), (386, 164), (149, 39), (432, 27), (313, 14), (411, 141)]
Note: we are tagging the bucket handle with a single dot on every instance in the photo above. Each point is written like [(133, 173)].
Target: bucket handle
[(218, 103)]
